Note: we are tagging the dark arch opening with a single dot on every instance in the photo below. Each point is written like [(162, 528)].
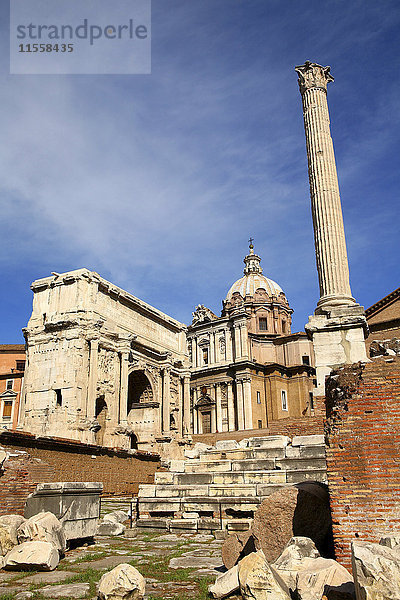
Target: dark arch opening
[(134, 441), (139, 389)]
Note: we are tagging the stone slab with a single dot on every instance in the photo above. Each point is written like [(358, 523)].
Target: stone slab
[(308, 440), (69, 590)]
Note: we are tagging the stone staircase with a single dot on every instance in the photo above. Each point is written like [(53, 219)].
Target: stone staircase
[(221, 487)]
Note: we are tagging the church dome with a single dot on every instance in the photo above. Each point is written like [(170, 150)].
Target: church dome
[(253, 279)]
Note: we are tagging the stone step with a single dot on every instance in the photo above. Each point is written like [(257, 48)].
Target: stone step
[(249, 464), (242, 454), (230, 477)]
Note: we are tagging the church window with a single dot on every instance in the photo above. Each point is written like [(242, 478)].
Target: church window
[(262, 324), (58, 397), (258, 398), (284, 400), (259, 424), (7, 409), (205, 356), (20, 365), (283, 326), (9, 384), (306, 360)]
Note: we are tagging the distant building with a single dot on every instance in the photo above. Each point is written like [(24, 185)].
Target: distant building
[(383, 319), (12, 366), (248, 369)]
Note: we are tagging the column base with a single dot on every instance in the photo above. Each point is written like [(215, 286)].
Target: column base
[(338, 337)]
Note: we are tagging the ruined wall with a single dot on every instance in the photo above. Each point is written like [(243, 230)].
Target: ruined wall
[(362, 436), (35, 460)]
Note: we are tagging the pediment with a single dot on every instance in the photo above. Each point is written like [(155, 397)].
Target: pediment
[(8, 395)]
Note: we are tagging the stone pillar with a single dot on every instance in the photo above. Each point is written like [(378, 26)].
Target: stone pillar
[(248, 408), (123, 390), (195, 412), (229, 343), (166, 402), (231, 408), (238, 345), (244, 340), (239, 397), (193, 342), (186, 405), (218, 406), (338, 326), (92, 385)]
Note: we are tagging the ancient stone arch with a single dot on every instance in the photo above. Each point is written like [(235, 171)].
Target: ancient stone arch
[(140, 388)]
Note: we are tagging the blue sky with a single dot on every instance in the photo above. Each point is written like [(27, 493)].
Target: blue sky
[(157, 181)]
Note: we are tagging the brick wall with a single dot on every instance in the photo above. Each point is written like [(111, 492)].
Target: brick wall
[(289, 427), (34, 460), (363, 452)]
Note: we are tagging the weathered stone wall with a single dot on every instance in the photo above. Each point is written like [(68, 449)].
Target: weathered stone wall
[(35, 460), (363, 450)]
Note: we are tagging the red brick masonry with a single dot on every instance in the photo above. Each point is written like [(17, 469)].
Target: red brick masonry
[(35, 460), (363, 458)]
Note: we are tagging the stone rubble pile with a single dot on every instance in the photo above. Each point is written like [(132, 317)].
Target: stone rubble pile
[(124, 582), (300, 572), (221, 486), (113, 523)]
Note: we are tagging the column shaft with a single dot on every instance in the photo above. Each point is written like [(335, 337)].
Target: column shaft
[(231, 408), (248, 408), (166, 402), (123, 389), (239, 398), (218, 406), (92, 385), (186, 405), (330, 243)]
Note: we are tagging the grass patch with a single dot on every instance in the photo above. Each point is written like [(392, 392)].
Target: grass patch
[(90, 556)]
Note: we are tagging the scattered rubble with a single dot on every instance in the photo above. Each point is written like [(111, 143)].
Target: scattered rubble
[(124, 582), (43, 527), (376, 570), (40, 556)]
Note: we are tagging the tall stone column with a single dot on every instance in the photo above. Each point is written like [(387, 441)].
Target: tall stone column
[(240, 410), (195, 412), (231, 408), (238, 344), (123, 390), (186, 405), (338, 325), (92, 384), (248, 408), (218, 406), (166, 427), (245, 339)]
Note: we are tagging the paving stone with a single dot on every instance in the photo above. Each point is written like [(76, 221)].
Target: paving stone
[(108, 562), (69, 590), (196, 562), (48, 577)]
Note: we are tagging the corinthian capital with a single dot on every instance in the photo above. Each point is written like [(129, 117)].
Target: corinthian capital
[(312, 75)]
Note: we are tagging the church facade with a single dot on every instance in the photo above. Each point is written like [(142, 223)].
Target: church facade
[(247, 368), (104, 367)]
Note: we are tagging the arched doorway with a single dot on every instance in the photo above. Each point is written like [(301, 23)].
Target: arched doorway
[(139, 389), (134, 441)]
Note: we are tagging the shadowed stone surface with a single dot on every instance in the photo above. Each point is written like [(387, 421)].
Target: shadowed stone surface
[(237, 546), (291, 512), (376, 571), (69, 590)]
